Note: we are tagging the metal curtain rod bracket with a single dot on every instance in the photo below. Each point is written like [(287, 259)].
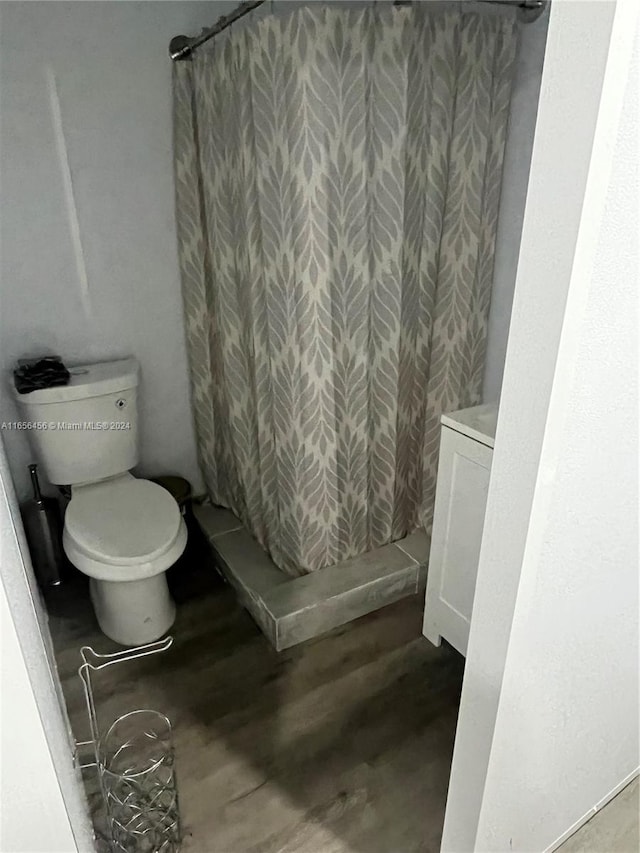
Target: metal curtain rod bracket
[(529, 10), (181, 47)]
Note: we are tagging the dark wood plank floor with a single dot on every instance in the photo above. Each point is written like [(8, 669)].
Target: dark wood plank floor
[(341, 745)]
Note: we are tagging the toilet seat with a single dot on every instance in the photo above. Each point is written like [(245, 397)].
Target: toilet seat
[(123, 528)]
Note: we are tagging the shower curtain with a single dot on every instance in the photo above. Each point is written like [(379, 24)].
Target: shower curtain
[(338, 176)]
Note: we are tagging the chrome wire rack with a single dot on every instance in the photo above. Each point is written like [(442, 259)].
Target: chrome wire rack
[(135, 762)]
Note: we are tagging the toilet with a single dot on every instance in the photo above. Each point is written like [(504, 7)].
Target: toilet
[(122, 531)]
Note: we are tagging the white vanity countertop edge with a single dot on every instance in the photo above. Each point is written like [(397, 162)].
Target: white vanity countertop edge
[(478, 422)]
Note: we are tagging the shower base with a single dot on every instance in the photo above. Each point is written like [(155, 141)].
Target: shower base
[(291, 610)]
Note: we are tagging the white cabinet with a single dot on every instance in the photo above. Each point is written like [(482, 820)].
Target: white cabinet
[(466, 448)]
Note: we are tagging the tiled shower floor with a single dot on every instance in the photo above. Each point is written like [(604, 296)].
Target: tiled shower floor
[(291, 610)]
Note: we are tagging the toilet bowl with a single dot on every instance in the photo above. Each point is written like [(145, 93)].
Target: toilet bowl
[(124, 533)]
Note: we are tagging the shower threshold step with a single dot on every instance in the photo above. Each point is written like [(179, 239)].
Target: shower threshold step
[(291, 610)]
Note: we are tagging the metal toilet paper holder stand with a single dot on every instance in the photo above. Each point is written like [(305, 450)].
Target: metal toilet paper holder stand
[(135, 763)]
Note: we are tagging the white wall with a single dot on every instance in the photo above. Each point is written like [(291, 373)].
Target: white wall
[(28, 785), (43, 806), (515, 179), (91, 82), (571, 677), (548, 725)]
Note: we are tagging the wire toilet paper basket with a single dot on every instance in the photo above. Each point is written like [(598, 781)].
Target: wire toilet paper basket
[(135, 762)]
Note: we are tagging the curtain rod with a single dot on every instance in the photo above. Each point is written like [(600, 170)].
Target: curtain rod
[(181, 47)]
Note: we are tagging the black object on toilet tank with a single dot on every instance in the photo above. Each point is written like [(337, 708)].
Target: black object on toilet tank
[(47, 371), (43, 527)]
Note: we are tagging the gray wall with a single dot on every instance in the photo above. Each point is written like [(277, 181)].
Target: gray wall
[(111, 217), (522, 121), (89, 266)]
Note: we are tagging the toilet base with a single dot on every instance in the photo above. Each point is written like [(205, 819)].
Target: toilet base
[(133, 612)]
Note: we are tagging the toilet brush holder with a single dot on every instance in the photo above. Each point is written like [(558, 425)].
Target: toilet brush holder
[(135, 762)]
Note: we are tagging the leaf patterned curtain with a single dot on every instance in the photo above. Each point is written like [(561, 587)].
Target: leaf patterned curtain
[(338, 176)]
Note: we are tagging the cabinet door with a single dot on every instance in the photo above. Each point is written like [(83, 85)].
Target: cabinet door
[(461, 498)]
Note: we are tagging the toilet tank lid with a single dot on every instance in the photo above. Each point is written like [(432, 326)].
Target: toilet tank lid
[(87, 380)]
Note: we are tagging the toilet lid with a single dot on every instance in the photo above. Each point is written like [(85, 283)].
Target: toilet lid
[(123, 521)]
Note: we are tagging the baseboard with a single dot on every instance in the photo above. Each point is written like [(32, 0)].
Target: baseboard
[(594, 810)]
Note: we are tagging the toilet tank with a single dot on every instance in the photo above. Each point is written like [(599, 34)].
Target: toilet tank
[(86, 430)]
